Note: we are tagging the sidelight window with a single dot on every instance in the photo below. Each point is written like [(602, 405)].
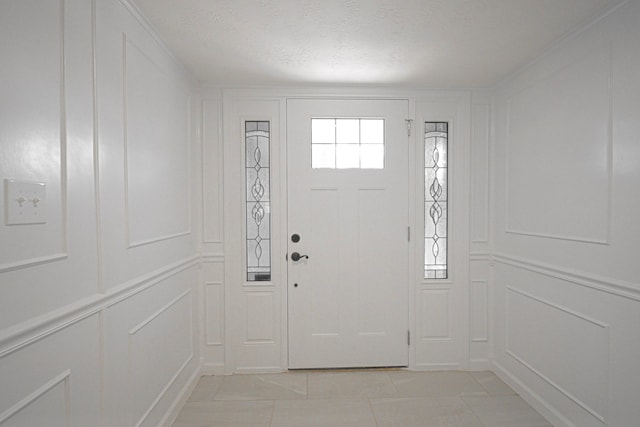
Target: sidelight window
[(436, 138), (258, 200)]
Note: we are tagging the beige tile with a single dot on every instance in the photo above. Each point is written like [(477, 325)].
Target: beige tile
[(505, 411), (323, 412), (222, 414), (263, 387), (492, 384), (423, 412), (356, 384), (206, 389), (435, 384)]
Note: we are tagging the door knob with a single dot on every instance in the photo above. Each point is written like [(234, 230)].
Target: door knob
[(297, 257)]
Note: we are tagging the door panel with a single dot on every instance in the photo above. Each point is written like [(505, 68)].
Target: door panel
[(348, 301)]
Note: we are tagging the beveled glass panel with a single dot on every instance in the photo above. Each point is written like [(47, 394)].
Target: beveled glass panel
[(436, 200), (257, 200), (347, 131)]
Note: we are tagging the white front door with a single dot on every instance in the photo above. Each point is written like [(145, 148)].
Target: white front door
[(348, 206)]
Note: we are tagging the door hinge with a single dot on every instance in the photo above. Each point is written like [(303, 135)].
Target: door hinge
[(408, 338), (409, 124), (408, 234)]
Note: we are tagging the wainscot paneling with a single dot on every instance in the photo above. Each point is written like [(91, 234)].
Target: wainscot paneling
[(563, 342), (435, 343), (577, 365), (213, 316), (259, 318), (51, 401), (214, 313), (53, 378), (149, 361), (150, 349), (479, 310)]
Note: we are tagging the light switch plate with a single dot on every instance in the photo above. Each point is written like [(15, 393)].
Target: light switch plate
[(25, 202)]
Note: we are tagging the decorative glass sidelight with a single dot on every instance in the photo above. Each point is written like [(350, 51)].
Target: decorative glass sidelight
[(258, 201), (436, 136)]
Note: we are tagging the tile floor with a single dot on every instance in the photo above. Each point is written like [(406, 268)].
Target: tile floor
[(355, 398)]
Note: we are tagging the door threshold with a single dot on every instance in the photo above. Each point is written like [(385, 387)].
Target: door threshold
[(351, 369)]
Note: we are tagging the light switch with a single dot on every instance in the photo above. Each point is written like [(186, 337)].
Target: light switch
[(24, 202)]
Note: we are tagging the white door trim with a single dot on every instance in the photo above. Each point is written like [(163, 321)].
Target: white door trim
[(237, 102)]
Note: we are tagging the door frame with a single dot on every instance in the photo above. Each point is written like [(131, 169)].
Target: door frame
[(271, 355)]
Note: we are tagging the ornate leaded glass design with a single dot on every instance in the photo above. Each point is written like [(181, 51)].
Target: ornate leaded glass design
[(258, 198), (436, 137)]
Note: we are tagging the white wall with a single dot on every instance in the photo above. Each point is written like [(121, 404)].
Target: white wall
[(567, 168), (98, 306)]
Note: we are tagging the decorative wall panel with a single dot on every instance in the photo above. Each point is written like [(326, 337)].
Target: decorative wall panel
[(156, 116), (568, 350), (435, 314), (559, 153), (260, 316), (52, 402), (479, 310), (152, 369), (212, 171), (31, 116), (480, 168), (214, 313)]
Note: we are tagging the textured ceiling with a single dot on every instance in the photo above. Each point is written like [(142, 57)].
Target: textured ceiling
[(425, 43)]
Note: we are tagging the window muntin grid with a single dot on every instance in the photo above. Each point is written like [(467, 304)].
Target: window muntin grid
[(347, 143)]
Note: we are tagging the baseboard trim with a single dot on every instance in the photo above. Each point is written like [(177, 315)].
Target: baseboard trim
[(532, 398), (213, 369), (174, 409)]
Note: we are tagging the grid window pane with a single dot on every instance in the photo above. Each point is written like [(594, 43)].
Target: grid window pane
[(347, 156), (372, 131), (347, 143), (347, 131), (372, 156), (323, 131)]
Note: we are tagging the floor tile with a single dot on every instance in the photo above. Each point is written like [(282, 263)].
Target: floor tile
[(206, 389), (263, 387), (423, 412), (435, 384), (492, 384), (505, 411), (323, 412), (328, 385), (222, 414)]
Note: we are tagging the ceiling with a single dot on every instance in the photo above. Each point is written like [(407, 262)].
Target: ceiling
[(417, 43)]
